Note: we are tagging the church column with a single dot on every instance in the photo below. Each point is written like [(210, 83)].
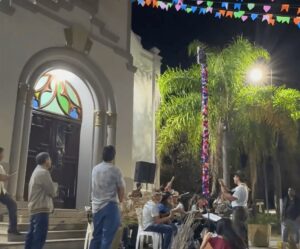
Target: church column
[(99, 138), (111, 128), (24, 146), (17, 138)]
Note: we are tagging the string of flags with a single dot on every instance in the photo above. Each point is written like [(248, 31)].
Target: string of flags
[(268, 13)]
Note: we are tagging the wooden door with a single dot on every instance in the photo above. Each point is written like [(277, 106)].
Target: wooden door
[(60, 137)]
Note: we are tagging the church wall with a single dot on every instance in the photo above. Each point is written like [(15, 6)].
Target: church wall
[(25, 33)]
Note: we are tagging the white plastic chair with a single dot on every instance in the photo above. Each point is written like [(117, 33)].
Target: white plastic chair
[(156, 237)]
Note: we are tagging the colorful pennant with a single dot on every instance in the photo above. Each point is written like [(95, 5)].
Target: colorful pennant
[(237, 12)]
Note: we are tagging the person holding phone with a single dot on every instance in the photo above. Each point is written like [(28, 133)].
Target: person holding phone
[(6, 199)]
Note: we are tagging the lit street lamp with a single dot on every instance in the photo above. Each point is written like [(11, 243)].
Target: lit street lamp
[(260, 74)]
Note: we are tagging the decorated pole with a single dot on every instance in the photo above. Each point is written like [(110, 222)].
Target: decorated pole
[(201, 60)]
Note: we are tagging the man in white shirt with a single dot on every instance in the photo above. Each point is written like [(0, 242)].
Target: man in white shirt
[(152, 222), (239, 200), (6, 200)]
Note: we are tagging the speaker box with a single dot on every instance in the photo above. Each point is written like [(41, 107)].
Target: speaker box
[(144, 172)]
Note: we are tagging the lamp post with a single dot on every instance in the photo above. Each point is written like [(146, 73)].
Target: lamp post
[(259, 75)]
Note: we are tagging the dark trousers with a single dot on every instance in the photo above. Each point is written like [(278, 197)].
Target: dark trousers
[(167, 232), (129, 242), (11, 205), (38, 230), (106, 223), (240, 216)]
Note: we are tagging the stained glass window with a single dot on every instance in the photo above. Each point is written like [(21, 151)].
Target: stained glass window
[(58, 96)]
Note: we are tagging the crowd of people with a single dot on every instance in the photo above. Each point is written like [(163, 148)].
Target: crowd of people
[(163, 213)]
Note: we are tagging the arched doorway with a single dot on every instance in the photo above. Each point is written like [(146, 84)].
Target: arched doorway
[(97, 99), (55, 127)]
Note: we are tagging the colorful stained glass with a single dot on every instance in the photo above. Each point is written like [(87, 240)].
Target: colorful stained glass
[(57, 96)]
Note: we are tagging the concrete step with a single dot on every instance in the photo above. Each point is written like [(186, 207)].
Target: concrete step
[(50, 244), (52, 235), (66, 213), (52, 219), (23, 227)]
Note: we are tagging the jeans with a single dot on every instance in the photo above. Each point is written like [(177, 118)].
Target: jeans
[(106, 223), (167, 232), (38, 230), (11, 205), (290, 227), (240, 216)]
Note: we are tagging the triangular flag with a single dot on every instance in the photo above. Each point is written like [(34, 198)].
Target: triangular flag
[(297, 20), (209, 9), (271, 22), (178, 7), (155, 4), (229, 14), (183, 6), (162, 5), (267, 8), (285, 7), (175, 1), (298, 12), (244, 18), (169, 5), (251, 6), (194, 8), (237, 6), (218, 15), (141, 2), (225, 5), (188, 10), (222, 12), (148, 2), (283, 19), (199, 2), (209, 3), (239, 14), (265, 18), (254, 16), (202, 11)]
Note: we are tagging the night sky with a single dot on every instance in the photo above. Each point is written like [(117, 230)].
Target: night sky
[(172, 31)]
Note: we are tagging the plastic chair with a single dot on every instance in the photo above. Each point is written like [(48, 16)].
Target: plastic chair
[(156, 237)]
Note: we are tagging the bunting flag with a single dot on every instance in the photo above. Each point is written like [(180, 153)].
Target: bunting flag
[(285, 7), (230, 10), (251, 6)]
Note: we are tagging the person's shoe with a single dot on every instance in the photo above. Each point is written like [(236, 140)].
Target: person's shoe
[(14, 233)]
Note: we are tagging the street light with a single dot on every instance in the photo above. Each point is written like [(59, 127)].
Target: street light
[(260, 74)]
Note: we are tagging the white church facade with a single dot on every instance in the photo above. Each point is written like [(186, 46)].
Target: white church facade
[(74, 78)]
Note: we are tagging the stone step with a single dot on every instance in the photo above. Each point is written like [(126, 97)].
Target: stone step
[(23, 227), (66, 213), (52, 219), (52, 235), (50, 244)]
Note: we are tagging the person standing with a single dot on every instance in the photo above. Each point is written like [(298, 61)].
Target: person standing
[(107, 187), (6, 200), (41, 190), (239, 201), (290, 217)]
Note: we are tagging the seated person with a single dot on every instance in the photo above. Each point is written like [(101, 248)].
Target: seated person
[(166, 205), (152, 221), (178, 207), (225, 237), (200, 205), (137, 193)]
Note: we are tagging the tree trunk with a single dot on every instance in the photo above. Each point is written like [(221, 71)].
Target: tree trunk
[(226, 174), (253, 173), (277, 184)]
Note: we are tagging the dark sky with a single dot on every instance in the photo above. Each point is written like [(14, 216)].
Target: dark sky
[(172, 31)]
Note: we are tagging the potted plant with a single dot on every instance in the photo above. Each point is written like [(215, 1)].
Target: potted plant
[(259, 229)]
